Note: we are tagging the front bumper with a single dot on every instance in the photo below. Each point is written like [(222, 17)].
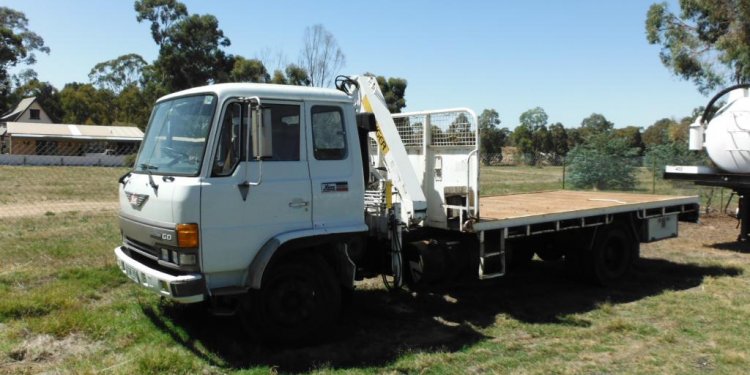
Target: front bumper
[(188, 288)]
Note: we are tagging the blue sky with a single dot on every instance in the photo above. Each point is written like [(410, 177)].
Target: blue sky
[(572, 58)]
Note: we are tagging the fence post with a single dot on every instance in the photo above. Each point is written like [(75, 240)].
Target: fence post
[(563, 176)]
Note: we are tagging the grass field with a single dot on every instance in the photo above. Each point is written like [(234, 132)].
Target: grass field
[(66, 308), (39, 185)]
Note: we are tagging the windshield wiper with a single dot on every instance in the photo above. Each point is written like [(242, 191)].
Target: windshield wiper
[(148, 167)]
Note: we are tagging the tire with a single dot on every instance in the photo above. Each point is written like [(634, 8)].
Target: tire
[(299, 300), (612, 256)]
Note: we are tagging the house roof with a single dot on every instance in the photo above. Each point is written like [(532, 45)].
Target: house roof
[(72, 131), (15, 113)]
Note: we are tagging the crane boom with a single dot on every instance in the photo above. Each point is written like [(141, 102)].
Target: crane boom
[(400, 170)]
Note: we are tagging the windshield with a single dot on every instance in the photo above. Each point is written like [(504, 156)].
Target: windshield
[(176, 136)]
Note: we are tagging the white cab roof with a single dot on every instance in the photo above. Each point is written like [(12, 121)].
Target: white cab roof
[(266, 91)]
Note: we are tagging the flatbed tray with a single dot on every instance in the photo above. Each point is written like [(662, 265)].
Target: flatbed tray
[(505, 211)]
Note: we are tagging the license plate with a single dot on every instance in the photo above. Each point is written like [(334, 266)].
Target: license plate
[(134, 274)]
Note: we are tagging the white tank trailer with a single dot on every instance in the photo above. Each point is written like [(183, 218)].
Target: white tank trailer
[(725, 134), (726, 137)]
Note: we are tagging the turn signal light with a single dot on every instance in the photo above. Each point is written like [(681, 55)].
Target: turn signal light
[(187, 235)]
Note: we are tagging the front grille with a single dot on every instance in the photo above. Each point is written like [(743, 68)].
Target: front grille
[(153, 264), (141, 247), (153, 254)]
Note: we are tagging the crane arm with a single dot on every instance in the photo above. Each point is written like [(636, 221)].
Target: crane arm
[(400, 171)]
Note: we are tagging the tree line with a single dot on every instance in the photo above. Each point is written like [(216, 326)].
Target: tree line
[(706, 42), (192, 53), (536, 141)]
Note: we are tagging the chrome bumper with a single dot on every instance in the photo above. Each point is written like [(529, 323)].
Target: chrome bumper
[(184, 288)]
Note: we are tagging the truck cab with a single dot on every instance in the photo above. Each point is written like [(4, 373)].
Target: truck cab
[(229, 172)]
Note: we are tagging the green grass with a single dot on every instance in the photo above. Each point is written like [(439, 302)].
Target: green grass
[(65, 307), (20, 184), (507, 180)]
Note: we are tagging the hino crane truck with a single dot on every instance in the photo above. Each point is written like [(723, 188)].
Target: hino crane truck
[(272, 201)]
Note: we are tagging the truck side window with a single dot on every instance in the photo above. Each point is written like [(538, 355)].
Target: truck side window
[(286, 131), (329, 136), (229, 149)]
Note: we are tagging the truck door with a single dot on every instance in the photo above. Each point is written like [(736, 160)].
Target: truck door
[(237, 218), (334, 158)]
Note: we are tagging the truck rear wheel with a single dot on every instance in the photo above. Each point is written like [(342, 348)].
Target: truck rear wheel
[(298, 301), (614, 252)]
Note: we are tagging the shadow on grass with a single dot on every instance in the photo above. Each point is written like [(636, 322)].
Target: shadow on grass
[(736, 246), (378, 327)]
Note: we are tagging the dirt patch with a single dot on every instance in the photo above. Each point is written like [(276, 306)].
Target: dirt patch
[(46, 208), (45, 351)]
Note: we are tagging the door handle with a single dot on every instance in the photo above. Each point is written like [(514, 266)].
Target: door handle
[(297, 203)]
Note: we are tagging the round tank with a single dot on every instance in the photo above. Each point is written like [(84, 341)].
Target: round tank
[(728, 134)]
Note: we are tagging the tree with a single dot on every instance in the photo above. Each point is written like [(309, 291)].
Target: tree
[(459, 131), (321, 56), (522, 139), (298, 76), (491, 138), (673, 153), (632, 135), (118, 73), (18, 45), (249, 70), (708, 42), (574, 137), (190, 46), (603, 163), (191, 54), (279, 78), (84, 104), (595, 124), (657, 133), (531, 137), (559, 140), (162, 14), (393, 90), (534, 118), (133, 107)]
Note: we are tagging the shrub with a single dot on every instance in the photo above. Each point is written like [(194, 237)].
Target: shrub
[(603, 163)]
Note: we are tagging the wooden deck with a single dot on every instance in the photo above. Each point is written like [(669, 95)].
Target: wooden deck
[(565, 204)]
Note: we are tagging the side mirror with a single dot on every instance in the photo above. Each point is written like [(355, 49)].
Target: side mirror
[(262, 133)]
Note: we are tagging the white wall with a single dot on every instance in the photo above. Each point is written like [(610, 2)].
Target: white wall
[(26, 115)]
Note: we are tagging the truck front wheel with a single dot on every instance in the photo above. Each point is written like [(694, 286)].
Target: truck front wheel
[(298, 301)]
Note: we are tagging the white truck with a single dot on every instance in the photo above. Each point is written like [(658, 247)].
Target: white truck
[(271, 201)]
